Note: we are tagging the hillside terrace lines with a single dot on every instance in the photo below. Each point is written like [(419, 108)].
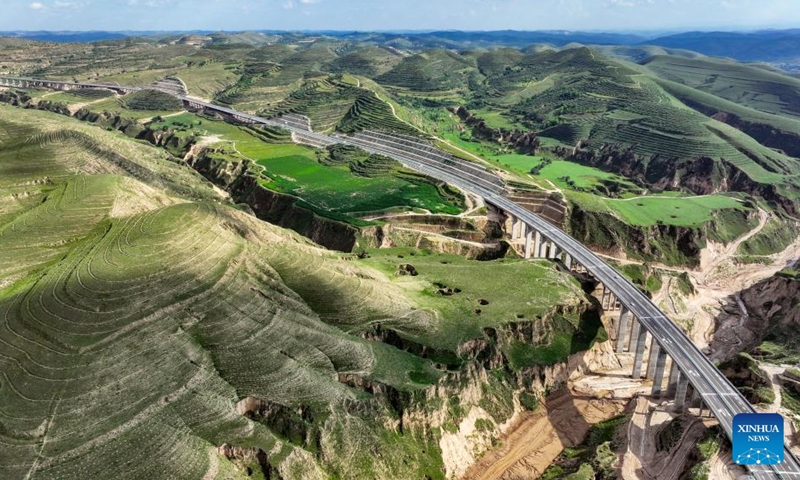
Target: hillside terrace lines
[(54, 290), (79, 403), (201, 274), (347, 302)]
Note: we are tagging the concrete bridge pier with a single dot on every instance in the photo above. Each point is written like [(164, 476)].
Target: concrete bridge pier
[(638, 356), (680, 392), (674, 375), (651, 359), (568, 261), (609, 300), (514, 227), (553, 250), (528, 241), (636, 327), (658, 375), (544, 247), (537, 244), (622, 330)]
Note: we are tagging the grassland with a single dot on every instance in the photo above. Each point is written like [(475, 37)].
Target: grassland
[(328, 188), (512, 291), (591, 188), (137, 308)]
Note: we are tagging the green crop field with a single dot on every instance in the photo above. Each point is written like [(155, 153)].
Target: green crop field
[(294, 169), (669, 210)]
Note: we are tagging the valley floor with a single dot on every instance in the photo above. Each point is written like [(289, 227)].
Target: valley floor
[(539, 437)]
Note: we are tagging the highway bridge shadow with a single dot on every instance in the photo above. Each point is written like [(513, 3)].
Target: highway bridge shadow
[(572, 416)]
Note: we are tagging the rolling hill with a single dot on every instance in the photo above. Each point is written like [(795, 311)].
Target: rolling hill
[(150, 329)]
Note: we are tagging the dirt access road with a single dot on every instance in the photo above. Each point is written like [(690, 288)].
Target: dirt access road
[(539, 437)]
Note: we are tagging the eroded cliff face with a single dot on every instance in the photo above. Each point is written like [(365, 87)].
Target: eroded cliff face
[(470, 408), (435, 432), (523, 142), (273, 207), (667, 244), (474, 238), (767, 311), (701, 176), (774, 309), (486, 414)]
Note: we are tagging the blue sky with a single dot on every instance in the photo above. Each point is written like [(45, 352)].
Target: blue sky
[(605, 15)]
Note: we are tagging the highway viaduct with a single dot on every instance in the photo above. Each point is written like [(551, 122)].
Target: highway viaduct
[(640, 319)]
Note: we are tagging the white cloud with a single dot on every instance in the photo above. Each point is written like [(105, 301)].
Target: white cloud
[(37, 6)]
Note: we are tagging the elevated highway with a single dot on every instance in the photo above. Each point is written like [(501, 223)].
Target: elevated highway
[(639, 315)]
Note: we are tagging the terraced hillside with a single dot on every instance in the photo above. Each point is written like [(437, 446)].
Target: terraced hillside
[(679, 122), (756, 87), (331, 103), (430, 71), (148, 329)]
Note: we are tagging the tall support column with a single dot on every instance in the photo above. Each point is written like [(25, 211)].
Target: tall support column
[(637, 325), (603, 297), (537, 244), (680, 392), (695, 397), (514, 227), (658, 377), (674, 375), (622, 330), (651, 359), (543, 248), (568, 261), (641, 342), (553, 249), (528, 240), (523, 228)]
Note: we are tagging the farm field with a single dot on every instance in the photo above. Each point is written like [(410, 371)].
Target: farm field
[(577, 181), (296, 170)]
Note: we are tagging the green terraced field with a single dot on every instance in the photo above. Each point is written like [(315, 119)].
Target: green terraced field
[(689, 212), (331, 103), (749, 86), (294, 169), (431, 71)]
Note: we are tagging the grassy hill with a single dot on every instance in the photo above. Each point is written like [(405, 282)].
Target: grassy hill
[(149, 329), (680, 122), (433, 70), (749, 86)]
